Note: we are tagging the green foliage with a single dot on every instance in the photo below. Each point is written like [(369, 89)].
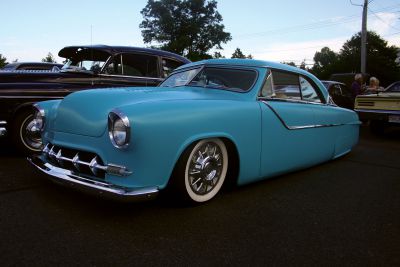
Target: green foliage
[(381, 59), (239, 54), (49, 58), (218, 55), (187, 27), (289, 63), (3, 61), (325, 63)]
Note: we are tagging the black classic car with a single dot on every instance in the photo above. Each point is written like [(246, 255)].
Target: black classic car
[(87, 67), (340, 93), (32, 66)]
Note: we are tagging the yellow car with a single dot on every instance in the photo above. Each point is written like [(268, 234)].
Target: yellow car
[(380, 109)]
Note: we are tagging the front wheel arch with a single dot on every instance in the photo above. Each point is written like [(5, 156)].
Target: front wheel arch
[(175, 187)]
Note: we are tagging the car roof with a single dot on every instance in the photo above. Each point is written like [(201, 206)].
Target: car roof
[(70, 50), (248, 63)]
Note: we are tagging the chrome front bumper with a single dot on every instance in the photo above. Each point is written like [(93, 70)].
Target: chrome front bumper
[(66, 177), (3, 130)]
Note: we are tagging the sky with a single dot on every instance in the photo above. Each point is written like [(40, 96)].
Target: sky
[(283, 31)]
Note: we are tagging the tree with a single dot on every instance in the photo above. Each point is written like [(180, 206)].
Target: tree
[(49, 58), (238, 54), (3, 61), (381, 58), (218, 55), (324, 63), (187, 27), (290, 63)]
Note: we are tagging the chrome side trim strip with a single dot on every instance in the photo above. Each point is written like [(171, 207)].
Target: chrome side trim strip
[(127, 76), (67, 178), (302, 127)]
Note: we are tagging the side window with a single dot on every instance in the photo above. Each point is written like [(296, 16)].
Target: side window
[(286, 85), (133, 65), (267, 90), (308, 92), (169, 65)]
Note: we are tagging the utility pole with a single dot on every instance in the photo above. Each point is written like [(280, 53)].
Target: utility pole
[(364, 38)]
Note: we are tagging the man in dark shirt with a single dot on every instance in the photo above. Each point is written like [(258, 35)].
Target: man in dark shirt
[(356, 86)]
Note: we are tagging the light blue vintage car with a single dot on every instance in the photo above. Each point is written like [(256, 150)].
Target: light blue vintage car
[(209, 123)]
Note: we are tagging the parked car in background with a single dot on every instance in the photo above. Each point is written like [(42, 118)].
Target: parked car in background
[(340, 93), (394, 87), (381, 109), (209, 123), (87, 67), (32, 66)]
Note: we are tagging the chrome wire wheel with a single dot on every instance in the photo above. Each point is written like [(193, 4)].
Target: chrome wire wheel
[(206, 169), (30, 135)]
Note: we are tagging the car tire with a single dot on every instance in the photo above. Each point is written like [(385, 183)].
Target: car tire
[(26, 141), (201, 171)]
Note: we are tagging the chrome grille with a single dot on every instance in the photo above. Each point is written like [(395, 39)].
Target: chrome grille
[(80, 162)]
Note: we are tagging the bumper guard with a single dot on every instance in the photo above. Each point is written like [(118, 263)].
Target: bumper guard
[(67, 178)]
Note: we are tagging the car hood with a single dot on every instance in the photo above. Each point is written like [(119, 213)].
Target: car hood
[(86, 112)]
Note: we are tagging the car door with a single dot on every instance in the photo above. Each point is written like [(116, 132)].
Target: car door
[(289, 137), (130, 69)]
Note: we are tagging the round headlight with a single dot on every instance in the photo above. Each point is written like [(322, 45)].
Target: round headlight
[(38, 117), (118, 129)]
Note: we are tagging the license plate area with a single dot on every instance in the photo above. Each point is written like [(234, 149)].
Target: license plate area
[(394, 118)]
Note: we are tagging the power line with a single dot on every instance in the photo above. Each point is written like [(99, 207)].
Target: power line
[(312, 26), (378, 17)]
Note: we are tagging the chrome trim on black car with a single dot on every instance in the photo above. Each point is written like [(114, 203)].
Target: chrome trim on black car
[(3, 130), (68, 178)]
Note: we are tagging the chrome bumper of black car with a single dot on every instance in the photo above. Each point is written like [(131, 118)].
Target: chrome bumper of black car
[(66, 177), (3, 130)]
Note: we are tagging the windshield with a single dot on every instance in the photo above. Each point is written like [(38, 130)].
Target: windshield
[(180, 78), (214, 77)]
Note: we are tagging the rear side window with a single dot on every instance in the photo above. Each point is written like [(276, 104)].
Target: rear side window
[(286, 85), (289, 86), (133, 65), (308, 92)]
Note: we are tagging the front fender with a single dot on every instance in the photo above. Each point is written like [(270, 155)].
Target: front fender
[(161, 131)]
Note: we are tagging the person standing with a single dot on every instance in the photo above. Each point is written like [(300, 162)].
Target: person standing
[(356, 86)]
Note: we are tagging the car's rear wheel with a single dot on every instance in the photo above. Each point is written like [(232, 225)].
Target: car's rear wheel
[(25, 136), (201, 170)]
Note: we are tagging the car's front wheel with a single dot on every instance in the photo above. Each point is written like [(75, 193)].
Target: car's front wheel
[(25, 136), (201, 170)]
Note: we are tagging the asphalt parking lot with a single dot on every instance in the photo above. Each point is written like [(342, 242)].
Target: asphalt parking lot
[(341, 213)]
